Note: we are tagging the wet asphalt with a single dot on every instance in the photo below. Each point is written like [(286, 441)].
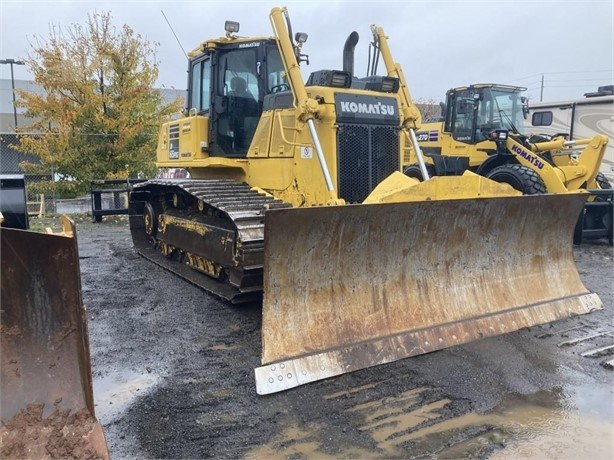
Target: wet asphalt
[(173, 377)]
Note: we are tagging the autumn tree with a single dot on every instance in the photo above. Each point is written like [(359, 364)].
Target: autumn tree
[(429, 109), (98, 114)]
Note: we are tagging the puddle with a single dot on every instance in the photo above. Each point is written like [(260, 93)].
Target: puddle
[(581, 427), (592, 399), (571, 437), (390, 424), (570, 423), (351, 391), (576, 423), (294, 442), (114, 393)]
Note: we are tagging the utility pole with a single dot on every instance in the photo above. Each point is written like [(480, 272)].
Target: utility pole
[(541, 94), (13, 62)]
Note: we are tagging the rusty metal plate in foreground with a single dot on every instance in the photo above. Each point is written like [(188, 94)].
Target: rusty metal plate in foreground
[(47, 398), (350, 287)]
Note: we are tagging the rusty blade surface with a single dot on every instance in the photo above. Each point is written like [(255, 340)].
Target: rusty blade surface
[(355, 286), (45, 350)]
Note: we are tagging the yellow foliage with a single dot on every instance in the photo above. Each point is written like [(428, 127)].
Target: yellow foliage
[(99, 113)]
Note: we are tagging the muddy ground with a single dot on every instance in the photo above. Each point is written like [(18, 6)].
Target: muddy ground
[(173, 378)]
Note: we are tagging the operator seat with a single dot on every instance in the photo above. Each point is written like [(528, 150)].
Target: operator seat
[(242, 98), (242, 108)]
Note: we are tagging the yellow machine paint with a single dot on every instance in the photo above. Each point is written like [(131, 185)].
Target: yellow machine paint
[(357, 264), (465, 140), (574, 164), (479, 133), (398, 188), (291, 170), (281, 158)]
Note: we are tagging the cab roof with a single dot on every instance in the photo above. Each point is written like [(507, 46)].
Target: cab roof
[(213, 43), (489, 85)]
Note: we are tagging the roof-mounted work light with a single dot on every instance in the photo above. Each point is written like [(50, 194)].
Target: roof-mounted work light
[(300, 37), (231, 27)]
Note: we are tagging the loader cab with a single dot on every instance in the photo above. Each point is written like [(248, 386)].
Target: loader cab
[(228, 83), (474, 112)]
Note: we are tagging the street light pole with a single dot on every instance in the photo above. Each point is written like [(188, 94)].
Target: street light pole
[(13, 62)]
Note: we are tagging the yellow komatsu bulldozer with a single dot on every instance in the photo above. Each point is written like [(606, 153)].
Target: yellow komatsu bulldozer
[(479, 132), (296, 194)]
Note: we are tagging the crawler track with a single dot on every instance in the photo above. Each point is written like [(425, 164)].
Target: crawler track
[(209, 232)]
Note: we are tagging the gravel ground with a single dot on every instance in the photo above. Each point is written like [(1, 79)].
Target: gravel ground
[(173, 378)]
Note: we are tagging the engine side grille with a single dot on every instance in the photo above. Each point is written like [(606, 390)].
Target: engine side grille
[(366, 155)]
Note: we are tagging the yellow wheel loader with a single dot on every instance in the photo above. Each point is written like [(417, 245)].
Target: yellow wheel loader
[(46, 397), (296, 194), (479, 133)]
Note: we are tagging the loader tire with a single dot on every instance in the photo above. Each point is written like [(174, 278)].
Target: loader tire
[(520, 177), (414, 171), (595, 215)]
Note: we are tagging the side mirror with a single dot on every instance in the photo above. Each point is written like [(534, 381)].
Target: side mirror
[(500, 138), (525, 107), (220, 104), (443, 108)]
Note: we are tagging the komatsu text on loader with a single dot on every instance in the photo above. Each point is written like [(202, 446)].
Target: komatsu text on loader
[(296, 193), (480, 133)]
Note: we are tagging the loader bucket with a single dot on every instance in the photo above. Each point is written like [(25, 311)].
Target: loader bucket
[(47, 399), (348, 287)]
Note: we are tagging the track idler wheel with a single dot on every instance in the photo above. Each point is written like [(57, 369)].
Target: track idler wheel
[(150, 220)]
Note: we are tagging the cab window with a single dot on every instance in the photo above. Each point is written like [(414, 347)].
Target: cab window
[(276, 74), (462, 117), (200, 86)]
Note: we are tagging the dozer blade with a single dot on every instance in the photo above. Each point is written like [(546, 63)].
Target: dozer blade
[(47, 399), (348, 287)]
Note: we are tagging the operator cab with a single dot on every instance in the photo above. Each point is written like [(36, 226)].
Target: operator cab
[(474, 112), (228, 82)]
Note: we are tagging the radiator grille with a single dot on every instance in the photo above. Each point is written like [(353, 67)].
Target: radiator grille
[(366, 156)]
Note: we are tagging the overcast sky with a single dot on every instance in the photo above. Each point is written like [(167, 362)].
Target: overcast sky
[(440, 44)]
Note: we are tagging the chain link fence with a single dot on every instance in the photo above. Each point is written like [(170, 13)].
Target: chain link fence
[(41, 196), (44, 195)]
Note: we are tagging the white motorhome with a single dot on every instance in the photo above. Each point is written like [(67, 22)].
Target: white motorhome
[(579, 118)]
